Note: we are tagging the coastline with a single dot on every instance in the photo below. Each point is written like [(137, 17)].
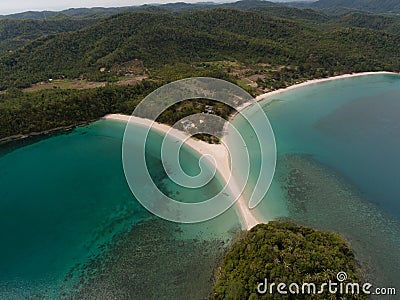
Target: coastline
[(66, 128), (248, 218), (307, 83), (319, 80), (219, 152)]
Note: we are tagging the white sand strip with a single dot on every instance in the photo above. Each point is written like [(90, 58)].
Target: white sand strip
[(314, 81), (219, 152)]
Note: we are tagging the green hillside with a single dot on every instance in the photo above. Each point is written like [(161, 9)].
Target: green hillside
[(261, 49), (372, 6), (168, 7), (213, 35), (17, 33), (288, 12), (371, 21), (327, 6)]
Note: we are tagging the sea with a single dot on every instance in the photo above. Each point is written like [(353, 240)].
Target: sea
[(70, 227), (338, 165)]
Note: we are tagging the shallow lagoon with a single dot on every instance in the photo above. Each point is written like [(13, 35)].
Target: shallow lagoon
[(66, 210), (68, 218)]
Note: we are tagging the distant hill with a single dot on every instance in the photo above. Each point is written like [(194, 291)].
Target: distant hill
[(246, 4), (108, 11), (17, 30), (371, 21), (288, 12), (17, 33), (372, 6), (327, 6), (72, 12), (160, 39), (31, 15)]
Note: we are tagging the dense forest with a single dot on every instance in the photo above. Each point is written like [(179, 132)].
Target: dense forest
[(333, 7), (376, 22), (261, 46), (371, 6), (17, 33), (286, 253), (23, 113), (40, 111), (165, 39)]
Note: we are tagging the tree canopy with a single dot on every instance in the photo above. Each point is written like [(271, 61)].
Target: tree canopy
[(283, 252)]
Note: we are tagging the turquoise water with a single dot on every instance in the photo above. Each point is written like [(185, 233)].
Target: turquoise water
[(353, 126), (64, 198), (67, 216), (338, 165)]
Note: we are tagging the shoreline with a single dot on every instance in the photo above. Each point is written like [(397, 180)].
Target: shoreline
[(320, 80), (218, 151), (248, 218), (307, 83), (66, 128)]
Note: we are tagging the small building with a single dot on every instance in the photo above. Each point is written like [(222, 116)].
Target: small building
[(209, 109), (188, 124)]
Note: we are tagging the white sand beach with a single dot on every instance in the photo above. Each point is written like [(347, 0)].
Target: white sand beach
[(220, 152), (314, 81), (304, 84)]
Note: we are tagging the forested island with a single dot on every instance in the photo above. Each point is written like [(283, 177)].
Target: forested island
[(283, 252)]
